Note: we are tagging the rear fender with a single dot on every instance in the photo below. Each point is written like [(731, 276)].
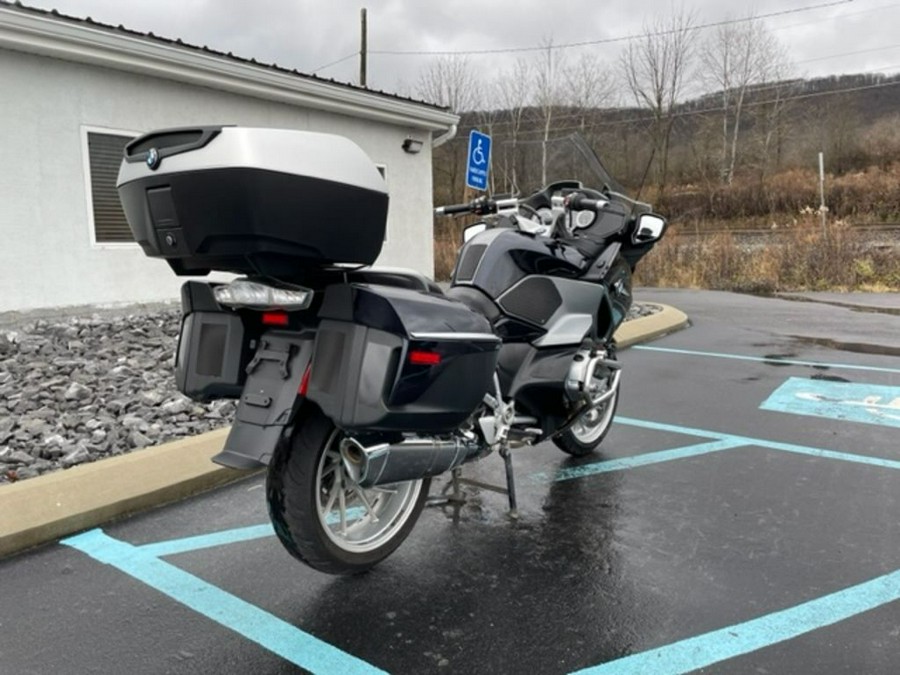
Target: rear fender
[(270, 398)]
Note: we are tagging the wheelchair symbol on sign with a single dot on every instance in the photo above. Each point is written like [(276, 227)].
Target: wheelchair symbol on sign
[(478, 154)]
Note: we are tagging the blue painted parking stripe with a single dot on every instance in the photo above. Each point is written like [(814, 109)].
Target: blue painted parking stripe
[(268, 631), (763, 359), (763, 443), (173, 546), (726, 643), (646, 459), (233, 536)]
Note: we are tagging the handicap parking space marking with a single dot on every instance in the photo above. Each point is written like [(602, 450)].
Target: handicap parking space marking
[(849, 401), (144, 563), (767, 359), (763, 443), (716, 646), (244, 618)]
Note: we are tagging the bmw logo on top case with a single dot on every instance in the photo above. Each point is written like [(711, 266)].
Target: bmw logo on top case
[(153, 158)]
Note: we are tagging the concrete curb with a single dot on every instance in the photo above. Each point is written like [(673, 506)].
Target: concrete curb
[(45, 508), (647, 328)]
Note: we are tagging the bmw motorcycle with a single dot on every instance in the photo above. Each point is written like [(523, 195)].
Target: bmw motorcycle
[(358, 385)]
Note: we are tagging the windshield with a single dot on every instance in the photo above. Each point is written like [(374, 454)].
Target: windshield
[(540, 163)]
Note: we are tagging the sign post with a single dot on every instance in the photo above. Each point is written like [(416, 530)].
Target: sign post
[(479, 160)]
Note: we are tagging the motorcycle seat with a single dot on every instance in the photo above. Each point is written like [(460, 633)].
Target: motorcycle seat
[(475, 300), (397, 277)]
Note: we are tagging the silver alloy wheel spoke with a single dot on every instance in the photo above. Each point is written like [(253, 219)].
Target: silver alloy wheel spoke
[(365, 519), (362, 497)]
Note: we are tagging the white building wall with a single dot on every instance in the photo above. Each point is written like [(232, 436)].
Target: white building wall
[(47, 254)]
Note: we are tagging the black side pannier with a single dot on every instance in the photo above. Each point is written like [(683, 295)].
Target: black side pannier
[(393, 359)]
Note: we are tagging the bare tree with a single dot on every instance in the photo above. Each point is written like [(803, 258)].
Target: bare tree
[(736, 57), (449, 81), (589, 86), (548, 91), (514, 91), (656, 66)]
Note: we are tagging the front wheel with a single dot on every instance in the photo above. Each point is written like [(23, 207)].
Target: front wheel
[(589, 430), (321, 516)]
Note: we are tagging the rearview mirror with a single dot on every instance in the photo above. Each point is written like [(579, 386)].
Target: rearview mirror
[(649, 228), (473, 230)]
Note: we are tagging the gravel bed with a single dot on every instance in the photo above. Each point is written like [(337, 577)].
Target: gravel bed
[(79, 388)]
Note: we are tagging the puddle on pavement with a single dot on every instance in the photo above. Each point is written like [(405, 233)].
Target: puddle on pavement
[(829, 378), (856, 347)]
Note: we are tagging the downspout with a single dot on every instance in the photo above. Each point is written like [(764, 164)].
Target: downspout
[(443, 138)]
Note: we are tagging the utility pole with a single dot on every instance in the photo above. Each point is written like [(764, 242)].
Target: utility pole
[(363, 48)]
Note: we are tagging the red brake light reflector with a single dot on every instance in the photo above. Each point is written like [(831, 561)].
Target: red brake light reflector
[(304, 383), (420, 357), (275, 318)]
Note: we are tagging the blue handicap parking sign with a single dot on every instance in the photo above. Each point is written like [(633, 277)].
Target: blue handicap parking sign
[(479, 162)]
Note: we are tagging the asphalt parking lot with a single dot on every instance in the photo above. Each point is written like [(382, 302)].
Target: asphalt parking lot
[(742, 516)]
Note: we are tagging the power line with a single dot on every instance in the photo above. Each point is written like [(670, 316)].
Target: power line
[(622, 38), (333, 63)]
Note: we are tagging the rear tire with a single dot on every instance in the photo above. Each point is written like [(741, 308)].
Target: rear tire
[(589, 430), (321, 516)]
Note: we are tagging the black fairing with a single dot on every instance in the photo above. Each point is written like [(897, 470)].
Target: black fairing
[(509, 256)]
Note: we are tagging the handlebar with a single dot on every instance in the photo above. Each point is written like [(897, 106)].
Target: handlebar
[(453, 209), (579, 202), (482, 206)]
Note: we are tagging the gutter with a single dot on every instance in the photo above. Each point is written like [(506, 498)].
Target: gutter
[(47, 36)]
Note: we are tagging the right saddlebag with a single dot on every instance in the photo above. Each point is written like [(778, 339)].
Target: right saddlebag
[(393, 359)]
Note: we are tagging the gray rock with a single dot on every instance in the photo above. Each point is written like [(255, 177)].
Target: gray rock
[(117, 405), (79, 455), (18, 457), (151, 398), (134, 422), (139, 440), (35, 426), (176, 407), (77, 392), (98, 436)]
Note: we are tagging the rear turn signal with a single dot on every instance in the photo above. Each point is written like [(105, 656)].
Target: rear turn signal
[(421, 357)]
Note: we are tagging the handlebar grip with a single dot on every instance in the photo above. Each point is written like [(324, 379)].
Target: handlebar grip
[(452, 209), (578, 202)]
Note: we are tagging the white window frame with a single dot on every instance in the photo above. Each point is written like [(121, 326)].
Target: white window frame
[(88, 188)]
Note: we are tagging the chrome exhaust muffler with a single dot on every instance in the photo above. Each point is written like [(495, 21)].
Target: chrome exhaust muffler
[(411, 459)]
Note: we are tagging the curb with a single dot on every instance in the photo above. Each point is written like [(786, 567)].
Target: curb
[(647, 328), (42, 509)]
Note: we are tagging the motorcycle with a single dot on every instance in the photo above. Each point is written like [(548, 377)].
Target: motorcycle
[(358, 385)]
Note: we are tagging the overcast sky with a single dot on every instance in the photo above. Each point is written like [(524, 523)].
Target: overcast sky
[(853, 36)]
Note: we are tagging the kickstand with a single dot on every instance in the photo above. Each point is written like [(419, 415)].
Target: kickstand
[(510, 482), (452, 495)]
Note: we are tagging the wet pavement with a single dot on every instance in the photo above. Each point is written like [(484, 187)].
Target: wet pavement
[(742, 516)]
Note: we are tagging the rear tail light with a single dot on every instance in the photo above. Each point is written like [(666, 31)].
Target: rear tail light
[(245, 294), (421, 357)]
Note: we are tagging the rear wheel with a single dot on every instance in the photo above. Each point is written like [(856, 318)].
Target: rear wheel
[(321, 516), (589, 430)]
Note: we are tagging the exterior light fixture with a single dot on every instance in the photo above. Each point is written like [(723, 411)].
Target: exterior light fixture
[(412, 146)]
